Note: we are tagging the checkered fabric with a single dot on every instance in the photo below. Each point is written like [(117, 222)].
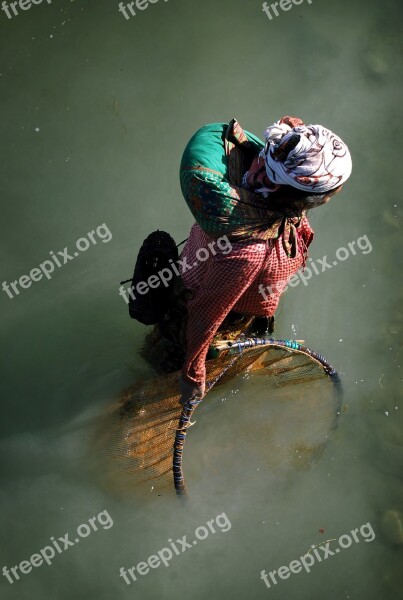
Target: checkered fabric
[(224, 282)]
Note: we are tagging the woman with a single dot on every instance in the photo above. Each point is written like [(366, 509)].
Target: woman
[(257, 196)]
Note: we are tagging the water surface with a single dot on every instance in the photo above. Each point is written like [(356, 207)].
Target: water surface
[(96, 111)]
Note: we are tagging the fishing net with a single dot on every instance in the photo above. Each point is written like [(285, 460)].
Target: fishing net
[(143, 434)]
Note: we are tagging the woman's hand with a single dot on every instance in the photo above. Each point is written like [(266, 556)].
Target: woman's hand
[(190, 391), (256, 178)]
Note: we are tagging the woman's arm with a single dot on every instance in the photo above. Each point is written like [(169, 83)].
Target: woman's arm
[(227, 278)]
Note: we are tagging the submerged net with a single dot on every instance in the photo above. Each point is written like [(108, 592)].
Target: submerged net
[(143, 434)]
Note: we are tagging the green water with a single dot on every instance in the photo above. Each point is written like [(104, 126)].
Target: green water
[(96, 111)]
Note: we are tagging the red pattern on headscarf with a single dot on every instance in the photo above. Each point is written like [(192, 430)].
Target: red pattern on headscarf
[(256, 177)]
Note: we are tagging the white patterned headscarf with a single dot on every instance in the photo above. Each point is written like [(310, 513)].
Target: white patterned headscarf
[(307, 157)]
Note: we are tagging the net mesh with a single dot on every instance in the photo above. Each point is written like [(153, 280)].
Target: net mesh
[(137, 435)]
